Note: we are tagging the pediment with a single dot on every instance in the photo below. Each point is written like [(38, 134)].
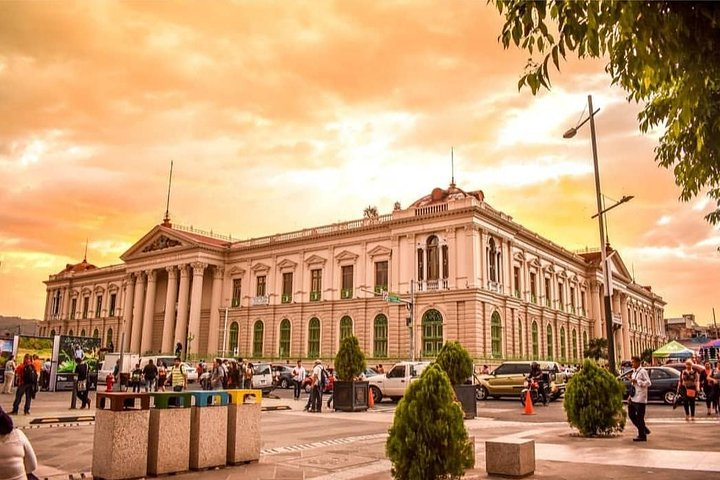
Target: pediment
[(236, 271), (535, 263), (549, 268), (380, 251), (260, 267), (519, 256), (287, 264), (315, 259), (159, 239), (346, 255)]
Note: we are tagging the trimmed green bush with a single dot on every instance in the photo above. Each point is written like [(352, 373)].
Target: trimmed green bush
[(594, 401), (427, 439), (456, 361), (350, 360)]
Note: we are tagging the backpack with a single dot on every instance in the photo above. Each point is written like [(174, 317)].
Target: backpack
[(323, 377), (29, 375)]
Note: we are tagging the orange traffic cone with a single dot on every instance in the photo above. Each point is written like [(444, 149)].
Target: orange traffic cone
[(371, 399), (528, 404)]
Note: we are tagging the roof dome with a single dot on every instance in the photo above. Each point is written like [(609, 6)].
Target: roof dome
[(439, 195)]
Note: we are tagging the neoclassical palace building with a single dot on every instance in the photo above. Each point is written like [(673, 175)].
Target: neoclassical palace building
[(471, 273)]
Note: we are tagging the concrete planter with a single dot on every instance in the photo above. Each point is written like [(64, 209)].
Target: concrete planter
[(466, 396), (350, 396)]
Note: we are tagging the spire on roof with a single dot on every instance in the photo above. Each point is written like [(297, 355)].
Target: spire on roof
[(166, 219)]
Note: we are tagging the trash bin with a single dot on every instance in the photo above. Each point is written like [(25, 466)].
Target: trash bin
[(121, 435), (208, 429), (243, 432), (169, 433)]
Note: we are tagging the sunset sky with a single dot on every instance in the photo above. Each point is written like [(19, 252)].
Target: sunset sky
[(285, 115)]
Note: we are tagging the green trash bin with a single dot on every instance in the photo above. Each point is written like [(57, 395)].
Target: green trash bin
[(169, 433)]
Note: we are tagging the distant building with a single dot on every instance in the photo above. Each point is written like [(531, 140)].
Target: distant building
[(11, 326), (475, 275), (684, 328)]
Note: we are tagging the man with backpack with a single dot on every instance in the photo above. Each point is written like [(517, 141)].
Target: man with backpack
[(27, 383), (218, 376)]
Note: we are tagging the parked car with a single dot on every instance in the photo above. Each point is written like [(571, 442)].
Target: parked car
[(329, 386), (370, 372), (282, 376), (262, 377), (508, 380), (664, 383), (394, 383)]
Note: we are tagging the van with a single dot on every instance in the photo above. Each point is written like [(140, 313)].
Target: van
[(108, 364), (262, 377)]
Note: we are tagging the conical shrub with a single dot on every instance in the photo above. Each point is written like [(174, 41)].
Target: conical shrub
[(456, 361), (350, 360), (594, 401), (427, 439)]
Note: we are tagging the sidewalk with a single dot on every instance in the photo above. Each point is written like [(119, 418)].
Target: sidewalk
[(337, 446)]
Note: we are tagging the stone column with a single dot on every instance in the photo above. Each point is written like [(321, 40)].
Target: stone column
[(65, 303), (595, 293), (149, 313), (195, 307), (627, 352), (182, 306), (137, 313), (48, 303), (169, 319), (214, 326), (129, 288)]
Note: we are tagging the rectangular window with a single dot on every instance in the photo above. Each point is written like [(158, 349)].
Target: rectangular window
[(582, 302), (533, 287), (236, 292), (86, 307), (572, 301), (561, 297), (113, 301), (315, 285), (347, 282), (548, 293), (73, 308), (516, 281), (260, 286), (381, 277), (98, 306), (420, 265), (287, 281)]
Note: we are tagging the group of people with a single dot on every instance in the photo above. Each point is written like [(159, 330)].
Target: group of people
[(155, 378), (228, 373), (317, 378), (692, 382)]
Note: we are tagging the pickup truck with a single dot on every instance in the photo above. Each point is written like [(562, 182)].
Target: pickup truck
[(394, 383)]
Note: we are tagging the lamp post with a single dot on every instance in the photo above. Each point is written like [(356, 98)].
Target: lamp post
[(603, 254)]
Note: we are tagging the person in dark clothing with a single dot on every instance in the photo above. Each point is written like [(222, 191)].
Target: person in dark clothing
[(27, 383), (150, 373), (81, 369), (537, 374)]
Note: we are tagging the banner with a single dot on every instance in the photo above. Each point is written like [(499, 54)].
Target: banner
[(69, 351), (6, 348)]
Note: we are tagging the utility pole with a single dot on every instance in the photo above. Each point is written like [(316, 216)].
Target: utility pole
[(715, 323)]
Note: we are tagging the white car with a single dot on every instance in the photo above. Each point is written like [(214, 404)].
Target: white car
[(394, 383)]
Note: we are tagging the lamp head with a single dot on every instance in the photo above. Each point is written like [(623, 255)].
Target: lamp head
[(570, 133)]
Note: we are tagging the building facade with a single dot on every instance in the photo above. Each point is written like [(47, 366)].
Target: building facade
[(455, 267)]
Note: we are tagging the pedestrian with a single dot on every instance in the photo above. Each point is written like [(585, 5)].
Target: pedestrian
[(218, 376), (709, 386), (538, 375), (46, 368), (78, 352), (298, 375), (162, 376), (136, 378), (380, 369), (178, 376), (178, 349), (688, 386), (17, 457), (317, 387), (110, 346), (150, 373), (637, 400), (26, 378), (9, 375), (485, 370), (248, 375), (81, 369)]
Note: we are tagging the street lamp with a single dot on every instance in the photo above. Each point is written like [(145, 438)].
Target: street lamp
[(603, 254)]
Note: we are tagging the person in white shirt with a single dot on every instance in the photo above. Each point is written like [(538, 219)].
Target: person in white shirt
[(298, 374), (17, 457), (639, 383), (9, 375)]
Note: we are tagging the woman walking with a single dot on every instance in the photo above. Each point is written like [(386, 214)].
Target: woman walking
[(709, 386), (688, 386)]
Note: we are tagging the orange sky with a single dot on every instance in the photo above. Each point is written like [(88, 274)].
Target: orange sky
[(285, 115)]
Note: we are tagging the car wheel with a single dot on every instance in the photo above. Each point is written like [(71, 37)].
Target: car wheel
[(669, 397), (377, 394), (284, 383), (481, 393)]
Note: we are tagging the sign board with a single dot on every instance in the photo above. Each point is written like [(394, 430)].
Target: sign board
[(617, 318), (392, 297), (259, 300)]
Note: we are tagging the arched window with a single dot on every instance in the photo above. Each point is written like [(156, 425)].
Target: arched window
[(535, 341), (82, 332), (109, 337), (258, 333), (432, 253), (549, 342), (314, 338), (563, 348), (496, 335), (432, 323), (52, 332), (346, 327), (233, 339), (574, 345), (96, 333), (380, 340), (284, 349), (585, 341), (70, 332), (520, 337)]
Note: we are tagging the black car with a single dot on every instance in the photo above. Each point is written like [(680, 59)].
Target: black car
[(664, 383), (282, 376)]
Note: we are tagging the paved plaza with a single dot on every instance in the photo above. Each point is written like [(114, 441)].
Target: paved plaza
[(337, 446)]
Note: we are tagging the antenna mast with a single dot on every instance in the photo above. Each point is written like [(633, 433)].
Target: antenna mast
[(166, 219), (452, 167)]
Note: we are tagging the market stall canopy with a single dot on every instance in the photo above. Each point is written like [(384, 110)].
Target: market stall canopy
[(711, 344), (673, 349)]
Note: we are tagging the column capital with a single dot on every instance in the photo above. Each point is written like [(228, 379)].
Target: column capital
[(219, 273), (151, 275), (198, 268), (172, 271), (138, 275), (184, 270)]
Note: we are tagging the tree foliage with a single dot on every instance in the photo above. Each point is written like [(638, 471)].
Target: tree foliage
[(427, 439), (596, 349), (350, 360), (594, 401), (646, 355), (665, 54), (456, 361)]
